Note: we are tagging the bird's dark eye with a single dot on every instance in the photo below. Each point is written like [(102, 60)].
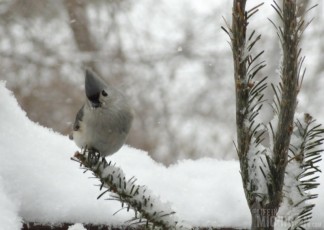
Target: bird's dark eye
[(104, 93)]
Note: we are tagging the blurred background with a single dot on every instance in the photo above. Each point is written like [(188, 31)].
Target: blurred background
[(170, 57)]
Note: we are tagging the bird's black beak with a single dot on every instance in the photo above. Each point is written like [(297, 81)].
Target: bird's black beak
[(93, 88)]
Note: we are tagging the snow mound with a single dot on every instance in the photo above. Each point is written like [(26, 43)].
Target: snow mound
[(9, 218), (38, 175), (77, 227), (39, 182)]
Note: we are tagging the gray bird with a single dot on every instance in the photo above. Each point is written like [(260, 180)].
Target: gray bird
[(103, 122)]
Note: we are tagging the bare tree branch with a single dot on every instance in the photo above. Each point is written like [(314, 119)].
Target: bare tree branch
[(80, 27)]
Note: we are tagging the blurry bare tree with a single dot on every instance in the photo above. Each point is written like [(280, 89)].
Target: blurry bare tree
[(168, 56), (80, 27), (35, 64)]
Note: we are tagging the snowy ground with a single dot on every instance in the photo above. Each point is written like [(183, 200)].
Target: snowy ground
[(39, 182)]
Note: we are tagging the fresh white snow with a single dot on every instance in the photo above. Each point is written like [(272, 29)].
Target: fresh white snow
[(77, 227), (39, 182), (9, 218)]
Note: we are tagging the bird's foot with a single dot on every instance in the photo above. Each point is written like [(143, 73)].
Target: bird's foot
[(93, 156)]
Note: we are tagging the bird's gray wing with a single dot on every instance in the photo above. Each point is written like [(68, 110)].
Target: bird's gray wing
[(125, 121), (78, 119)]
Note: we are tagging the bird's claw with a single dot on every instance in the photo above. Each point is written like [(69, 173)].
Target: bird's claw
[(93, 156)]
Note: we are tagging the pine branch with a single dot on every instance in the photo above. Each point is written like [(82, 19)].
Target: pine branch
[(263, 169), (253, 156), (289, 86), (286, 93), (149, 210), (292, 174), (245, 68), (302, 172), (249, 92)]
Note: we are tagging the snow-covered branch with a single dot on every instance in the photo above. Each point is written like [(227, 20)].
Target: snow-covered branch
[(263, 164), (248, 90), (249, 100), (148, 208), (289, 88), (302, 173)]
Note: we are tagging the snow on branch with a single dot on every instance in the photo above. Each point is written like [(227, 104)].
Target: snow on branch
[(270, 154), (148, 208), (289, 30), (301, 173), (249, 90), (289, 39)]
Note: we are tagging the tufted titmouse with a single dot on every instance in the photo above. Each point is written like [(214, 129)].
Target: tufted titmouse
[(103, 122)]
